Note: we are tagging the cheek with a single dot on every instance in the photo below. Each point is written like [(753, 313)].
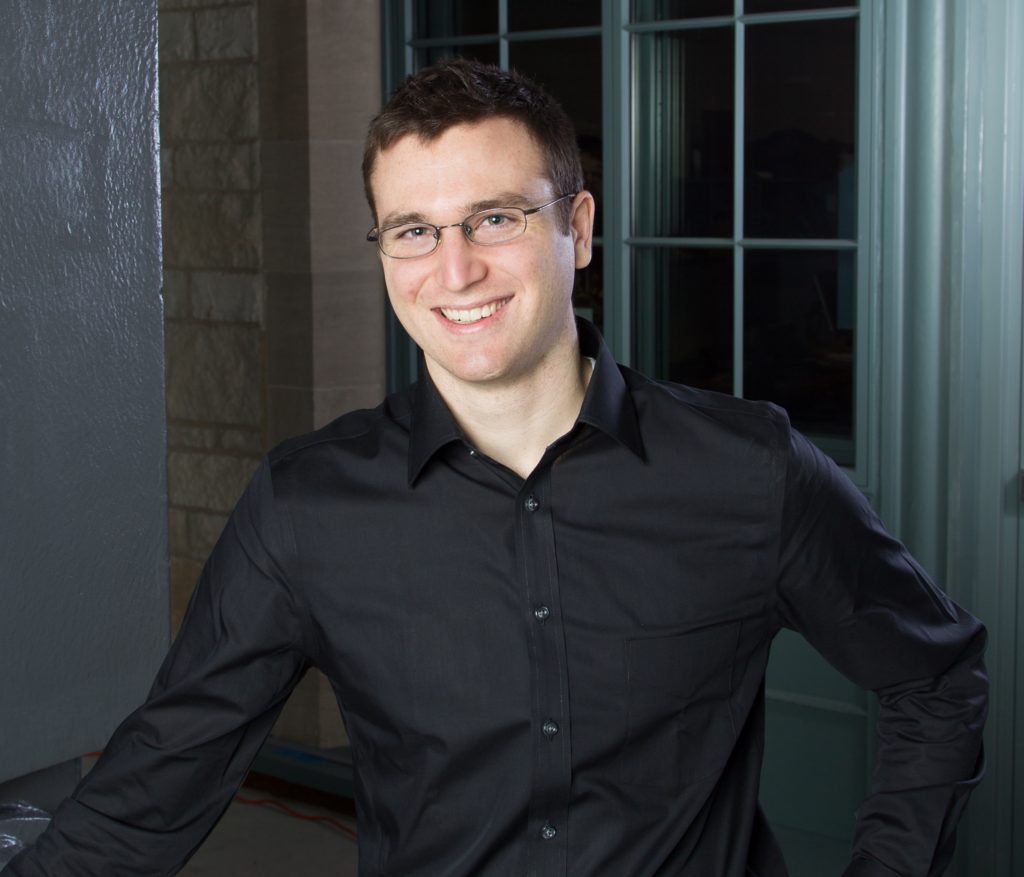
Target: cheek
[(556, 271), (401, 285)]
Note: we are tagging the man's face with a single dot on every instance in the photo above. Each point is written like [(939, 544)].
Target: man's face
[(517, 294)]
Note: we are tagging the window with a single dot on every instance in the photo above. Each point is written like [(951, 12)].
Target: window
[(724, 143)]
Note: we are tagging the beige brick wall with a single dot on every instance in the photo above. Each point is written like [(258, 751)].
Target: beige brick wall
[(214, 285), (273, 303)]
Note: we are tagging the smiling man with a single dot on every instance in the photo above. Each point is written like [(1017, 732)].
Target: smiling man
[(543, 586)]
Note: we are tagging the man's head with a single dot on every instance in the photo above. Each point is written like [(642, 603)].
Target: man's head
[(460, 91), (463, 154)]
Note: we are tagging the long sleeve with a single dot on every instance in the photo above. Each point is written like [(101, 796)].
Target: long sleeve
[(862, 601), (171, 768)]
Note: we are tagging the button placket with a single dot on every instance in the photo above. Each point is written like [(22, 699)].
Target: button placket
[(551, 768)]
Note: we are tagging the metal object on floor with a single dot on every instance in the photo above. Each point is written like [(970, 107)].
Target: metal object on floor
[(20, 825)]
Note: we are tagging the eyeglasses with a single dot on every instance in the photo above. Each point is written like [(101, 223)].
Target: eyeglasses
[(497, 225)]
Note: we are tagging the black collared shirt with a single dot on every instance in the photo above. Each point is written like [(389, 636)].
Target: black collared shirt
[(556, 676)]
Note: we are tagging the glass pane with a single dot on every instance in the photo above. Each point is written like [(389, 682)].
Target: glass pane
[(683, 140), (588, 293), (663, 10), (683, 315), (486, 52), (798, 336), (567, 69), (544, 15), (454, 18), (752, 7), (800, 126)]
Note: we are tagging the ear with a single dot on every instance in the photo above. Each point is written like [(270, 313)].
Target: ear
[(581, 227)]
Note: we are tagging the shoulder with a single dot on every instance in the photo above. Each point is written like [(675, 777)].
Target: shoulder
[(685, 412), (363, 438)]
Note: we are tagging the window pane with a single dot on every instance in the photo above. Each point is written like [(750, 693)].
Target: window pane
[(544, 15), (752, 7), (683, 315), (799, 135), (568, 69), (486, 52), (588, 293), (683, 141), (798, 318), (453, 18), (663, 10)]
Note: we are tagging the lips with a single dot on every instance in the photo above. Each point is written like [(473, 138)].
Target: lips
[(473, 315)]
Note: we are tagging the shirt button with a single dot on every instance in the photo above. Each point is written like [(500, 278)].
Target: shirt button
[(548, 832), (541, 613), (531, 504), (550, 728)]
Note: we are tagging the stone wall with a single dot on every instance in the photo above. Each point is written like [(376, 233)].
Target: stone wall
[(274, 302), (213, 280)]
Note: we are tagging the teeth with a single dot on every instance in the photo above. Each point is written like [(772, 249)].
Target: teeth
[(473, 315)]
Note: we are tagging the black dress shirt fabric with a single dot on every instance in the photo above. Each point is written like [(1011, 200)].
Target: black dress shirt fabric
[(556, 676)]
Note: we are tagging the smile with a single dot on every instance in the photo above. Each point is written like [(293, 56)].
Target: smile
[(473, 315)]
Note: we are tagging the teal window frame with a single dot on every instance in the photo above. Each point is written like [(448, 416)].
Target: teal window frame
[(617, 32)]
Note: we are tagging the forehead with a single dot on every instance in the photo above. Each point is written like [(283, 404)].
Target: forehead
[(465, 164)]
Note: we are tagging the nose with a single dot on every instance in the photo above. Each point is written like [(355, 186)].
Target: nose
[(459, 262)]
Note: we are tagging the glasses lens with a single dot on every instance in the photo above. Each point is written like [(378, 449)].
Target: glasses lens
[(407, 241), (496, 226)]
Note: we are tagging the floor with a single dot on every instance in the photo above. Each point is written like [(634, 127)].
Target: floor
[(260, 840)]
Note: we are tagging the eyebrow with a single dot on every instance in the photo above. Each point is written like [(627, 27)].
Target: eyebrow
[(501, 199)]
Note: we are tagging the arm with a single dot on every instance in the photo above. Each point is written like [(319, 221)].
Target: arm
[(172, 767), (862, 601)]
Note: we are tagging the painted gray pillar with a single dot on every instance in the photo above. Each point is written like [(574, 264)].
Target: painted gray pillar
[(951, 433), (83, 535), (915, 282)]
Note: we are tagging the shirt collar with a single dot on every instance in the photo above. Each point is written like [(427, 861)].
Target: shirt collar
[(607, 406)]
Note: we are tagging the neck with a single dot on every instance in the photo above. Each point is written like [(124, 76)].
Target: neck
[(515, 421)]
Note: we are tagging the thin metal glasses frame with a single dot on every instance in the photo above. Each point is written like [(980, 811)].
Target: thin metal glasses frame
[(375, 235)]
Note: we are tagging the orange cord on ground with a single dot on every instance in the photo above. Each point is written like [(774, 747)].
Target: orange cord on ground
[(270, 802)]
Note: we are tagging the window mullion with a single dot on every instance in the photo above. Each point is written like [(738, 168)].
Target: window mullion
[(737, 229), (503, 34), (618, 292)]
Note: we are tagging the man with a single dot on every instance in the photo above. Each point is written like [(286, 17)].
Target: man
[(543, 586)]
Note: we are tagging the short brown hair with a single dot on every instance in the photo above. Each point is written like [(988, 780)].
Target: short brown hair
[(459, 91)]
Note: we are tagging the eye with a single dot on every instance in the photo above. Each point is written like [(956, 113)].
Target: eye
[(496, 220), (412, 232), (491, 222)]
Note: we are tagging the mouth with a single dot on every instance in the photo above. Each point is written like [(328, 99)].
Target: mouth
[(474, 315)]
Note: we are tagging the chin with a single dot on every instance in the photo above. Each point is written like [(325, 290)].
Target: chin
[(476, 370)]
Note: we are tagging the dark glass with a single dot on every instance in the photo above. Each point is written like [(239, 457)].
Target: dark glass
[(683, 141), (665, 10), (800, 130), (588, 292), (454, 18), (486, 52), (683, 315), (544, 15), (798, 336), (753, 7), (569, 70)]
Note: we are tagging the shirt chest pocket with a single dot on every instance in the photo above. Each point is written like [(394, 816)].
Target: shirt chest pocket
[(680, 726)]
